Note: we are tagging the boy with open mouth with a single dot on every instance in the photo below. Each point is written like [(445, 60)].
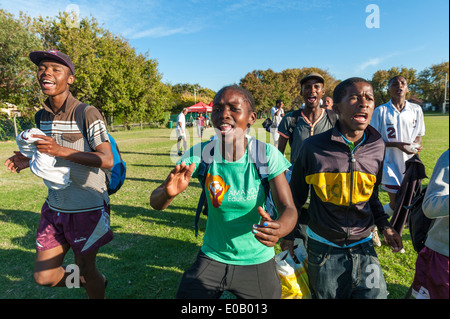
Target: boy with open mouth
[(342, 168)]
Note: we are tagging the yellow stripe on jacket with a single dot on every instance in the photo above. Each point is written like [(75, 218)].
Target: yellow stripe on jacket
[(335, 187)]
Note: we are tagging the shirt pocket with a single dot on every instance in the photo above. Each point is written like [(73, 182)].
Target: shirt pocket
[(71, 137)]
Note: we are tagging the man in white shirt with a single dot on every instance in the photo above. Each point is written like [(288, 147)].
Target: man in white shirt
[(181, 130), (401, 126), (277, 113)]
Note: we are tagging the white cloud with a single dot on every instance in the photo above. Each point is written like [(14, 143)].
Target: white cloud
[(375, 62), (371, 62), (159, 32)]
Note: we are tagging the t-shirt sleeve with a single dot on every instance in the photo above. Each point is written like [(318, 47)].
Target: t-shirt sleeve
[(283, 127), (277, 162), (420, 122), (95, 127)]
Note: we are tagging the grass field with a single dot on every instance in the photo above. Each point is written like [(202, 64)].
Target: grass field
[(151, 249)]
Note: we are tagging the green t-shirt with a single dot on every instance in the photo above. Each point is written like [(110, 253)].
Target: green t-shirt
[(234, 192)]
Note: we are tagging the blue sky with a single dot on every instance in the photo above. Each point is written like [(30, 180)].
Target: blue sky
[(216, 42)]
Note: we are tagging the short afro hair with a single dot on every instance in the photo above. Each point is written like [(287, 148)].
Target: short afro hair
[(341, 89), (245, 93), (396, 77)]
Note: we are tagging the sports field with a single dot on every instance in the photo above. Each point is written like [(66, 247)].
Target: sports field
[(151, 249)]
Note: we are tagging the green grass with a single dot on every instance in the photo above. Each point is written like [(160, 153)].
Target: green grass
[(151, 249)]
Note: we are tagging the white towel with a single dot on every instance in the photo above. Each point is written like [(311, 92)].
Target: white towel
[(42, 165)]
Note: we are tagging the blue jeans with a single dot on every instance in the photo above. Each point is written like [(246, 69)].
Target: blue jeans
[(345, 273)]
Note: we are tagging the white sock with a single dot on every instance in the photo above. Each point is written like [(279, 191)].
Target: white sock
[(388, 210)]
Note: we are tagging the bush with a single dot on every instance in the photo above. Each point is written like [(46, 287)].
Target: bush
[(6, 127)]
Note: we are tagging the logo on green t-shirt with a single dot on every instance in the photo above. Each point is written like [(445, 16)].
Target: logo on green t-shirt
[(217, 189)]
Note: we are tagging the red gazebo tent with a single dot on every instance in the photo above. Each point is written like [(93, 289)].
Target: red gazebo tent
[(200, 107)]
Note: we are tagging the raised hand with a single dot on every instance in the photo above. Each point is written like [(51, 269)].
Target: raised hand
[(178, 179), (175, 183)]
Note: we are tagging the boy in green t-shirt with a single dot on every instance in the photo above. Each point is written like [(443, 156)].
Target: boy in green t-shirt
[(237, 252)]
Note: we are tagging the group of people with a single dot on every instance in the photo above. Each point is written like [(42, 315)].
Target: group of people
[(338, 171)]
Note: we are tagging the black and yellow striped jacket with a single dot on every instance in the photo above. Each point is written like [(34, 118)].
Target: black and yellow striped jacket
[(344, 202)]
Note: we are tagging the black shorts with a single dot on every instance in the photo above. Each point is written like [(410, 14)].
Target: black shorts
[(208, 279)]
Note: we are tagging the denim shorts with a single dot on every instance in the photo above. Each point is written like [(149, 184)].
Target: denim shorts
[(208, 279), (345, 273)]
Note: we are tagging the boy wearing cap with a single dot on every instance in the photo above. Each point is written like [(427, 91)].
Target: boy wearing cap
[(299, 125), (310, 120), (77, 216), (341, 169)]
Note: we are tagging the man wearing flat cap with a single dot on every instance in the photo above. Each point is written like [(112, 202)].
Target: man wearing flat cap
[(77, 216), (298, 125)]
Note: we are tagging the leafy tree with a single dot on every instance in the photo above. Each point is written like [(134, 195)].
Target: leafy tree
[(381, 78), (268, 86), (17, 72), (430, 83), (183, 95), (109, 73)]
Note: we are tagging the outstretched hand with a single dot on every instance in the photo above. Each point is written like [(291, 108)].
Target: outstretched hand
[(178, 179), (267, 231), (17, 162)]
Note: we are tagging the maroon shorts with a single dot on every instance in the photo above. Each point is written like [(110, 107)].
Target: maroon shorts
[(390, 188), (431, 277), (84, 232)]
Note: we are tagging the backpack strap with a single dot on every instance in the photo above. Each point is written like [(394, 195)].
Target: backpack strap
[(258, 155), (201, 173), (37, 118), (332, 116), (80, 119), (294, 120)]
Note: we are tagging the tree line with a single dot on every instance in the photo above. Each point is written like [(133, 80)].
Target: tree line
[(267, 86), (109, 73), (123, 83)]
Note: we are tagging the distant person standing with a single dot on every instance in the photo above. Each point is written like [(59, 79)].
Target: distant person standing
[(277, 113), (401, 126), (200, 124), (181, 130), (327, 103)]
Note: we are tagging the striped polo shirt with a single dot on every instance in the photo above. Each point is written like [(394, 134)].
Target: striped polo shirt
[(88, 189)]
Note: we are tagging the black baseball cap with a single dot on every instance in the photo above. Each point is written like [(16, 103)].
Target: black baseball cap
[(313, 75), (37, 56)]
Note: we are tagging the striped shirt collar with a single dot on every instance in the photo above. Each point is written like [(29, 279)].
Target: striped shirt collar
[(69, 104)]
